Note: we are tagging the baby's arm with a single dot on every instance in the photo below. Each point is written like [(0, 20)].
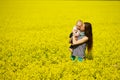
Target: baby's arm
[(71, 38)]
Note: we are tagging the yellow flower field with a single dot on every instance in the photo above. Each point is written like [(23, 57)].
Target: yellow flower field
[(34, 39)]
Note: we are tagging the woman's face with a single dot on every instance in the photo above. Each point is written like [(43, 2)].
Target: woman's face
[(82, 28)]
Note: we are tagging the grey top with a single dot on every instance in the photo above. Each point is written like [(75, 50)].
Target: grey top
[(79, 50)]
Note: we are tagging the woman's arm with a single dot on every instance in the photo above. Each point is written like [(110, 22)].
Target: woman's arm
[(76, 42)]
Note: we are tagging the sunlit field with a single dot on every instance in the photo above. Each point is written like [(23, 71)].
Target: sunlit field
[(34, 40)]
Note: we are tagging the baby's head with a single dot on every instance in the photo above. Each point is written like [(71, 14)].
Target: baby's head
[(79, 23)]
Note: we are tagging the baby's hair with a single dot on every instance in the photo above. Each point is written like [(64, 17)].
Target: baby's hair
[(79, 21)]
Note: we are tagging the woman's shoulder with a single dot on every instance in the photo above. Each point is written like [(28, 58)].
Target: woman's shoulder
[(83, 38)]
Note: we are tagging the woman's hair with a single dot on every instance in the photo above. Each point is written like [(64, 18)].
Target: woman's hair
[(88, 33)]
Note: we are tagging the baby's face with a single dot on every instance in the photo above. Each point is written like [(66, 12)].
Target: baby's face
[(79, 25)]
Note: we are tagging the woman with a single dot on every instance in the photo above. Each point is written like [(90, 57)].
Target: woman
[(86, 40)]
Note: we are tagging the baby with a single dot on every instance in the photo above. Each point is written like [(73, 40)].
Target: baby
[(76, 30), (76, 33)]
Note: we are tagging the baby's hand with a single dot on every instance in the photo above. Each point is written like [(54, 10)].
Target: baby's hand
[(74, 31)]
